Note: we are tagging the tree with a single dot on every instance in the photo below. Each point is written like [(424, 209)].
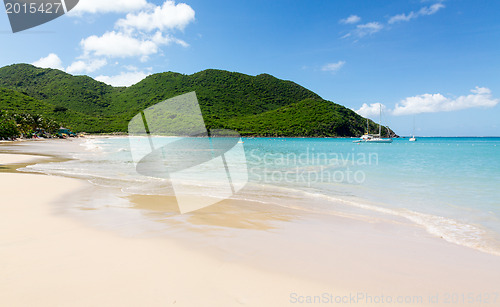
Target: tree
[(8, 127)]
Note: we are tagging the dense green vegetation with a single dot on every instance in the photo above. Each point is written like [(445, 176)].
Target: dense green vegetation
[(14, 125), (8, 126), (15, 102), (24, 115), (222, 95), (309, 117), (253, 105)]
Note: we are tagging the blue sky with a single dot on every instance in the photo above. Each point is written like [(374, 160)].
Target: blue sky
[(435, 61)]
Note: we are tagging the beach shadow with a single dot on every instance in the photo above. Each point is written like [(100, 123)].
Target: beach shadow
[(15, 167), (229, 213), (8, 168)]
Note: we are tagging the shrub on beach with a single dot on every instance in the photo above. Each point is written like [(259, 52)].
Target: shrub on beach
[(8, 127), (26, 125)]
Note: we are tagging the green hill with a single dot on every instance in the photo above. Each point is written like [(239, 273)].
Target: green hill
[(253, 105), (78, 93), (14, 102), (309, 117), (221, 94)]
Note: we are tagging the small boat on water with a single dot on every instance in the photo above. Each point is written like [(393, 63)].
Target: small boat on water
[(413, 139), (374, 138)]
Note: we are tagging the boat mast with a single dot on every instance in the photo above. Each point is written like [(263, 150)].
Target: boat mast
[(413, 125), (379, 122)]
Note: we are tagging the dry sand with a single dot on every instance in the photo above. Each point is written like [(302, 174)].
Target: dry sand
[(51, 260)]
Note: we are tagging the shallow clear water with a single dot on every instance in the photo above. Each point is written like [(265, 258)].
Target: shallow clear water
[(450, 186)]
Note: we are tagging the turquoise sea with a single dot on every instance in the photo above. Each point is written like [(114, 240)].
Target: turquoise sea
[(449, 186)]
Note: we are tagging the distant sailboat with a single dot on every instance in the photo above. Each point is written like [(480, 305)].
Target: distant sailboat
[(413, 139), (367, 135), (375, 138)]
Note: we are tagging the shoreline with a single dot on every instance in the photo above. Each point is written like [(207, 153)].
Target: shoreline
[(305, 254), (50, 259)]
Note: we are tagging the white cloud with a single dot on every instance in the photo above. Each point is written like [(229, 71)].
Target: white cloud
[(370, 110), (117, 44), (124, 78), (369, 28), (431, 10), (50, 61), (425, 11), (333, 67), (86, 66), (402, 17), (365, 29), (141, 34), (351, 19), (122, 45), (169, 16), (161, 39), (108, 6), (431, 103)]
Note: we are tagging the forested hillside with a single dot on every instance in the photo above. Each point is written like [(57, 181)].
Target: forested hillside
[(259, 105)]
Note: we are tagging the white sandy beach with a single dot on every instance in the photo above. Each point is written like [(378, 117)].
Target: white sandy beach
[(51, 259)]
